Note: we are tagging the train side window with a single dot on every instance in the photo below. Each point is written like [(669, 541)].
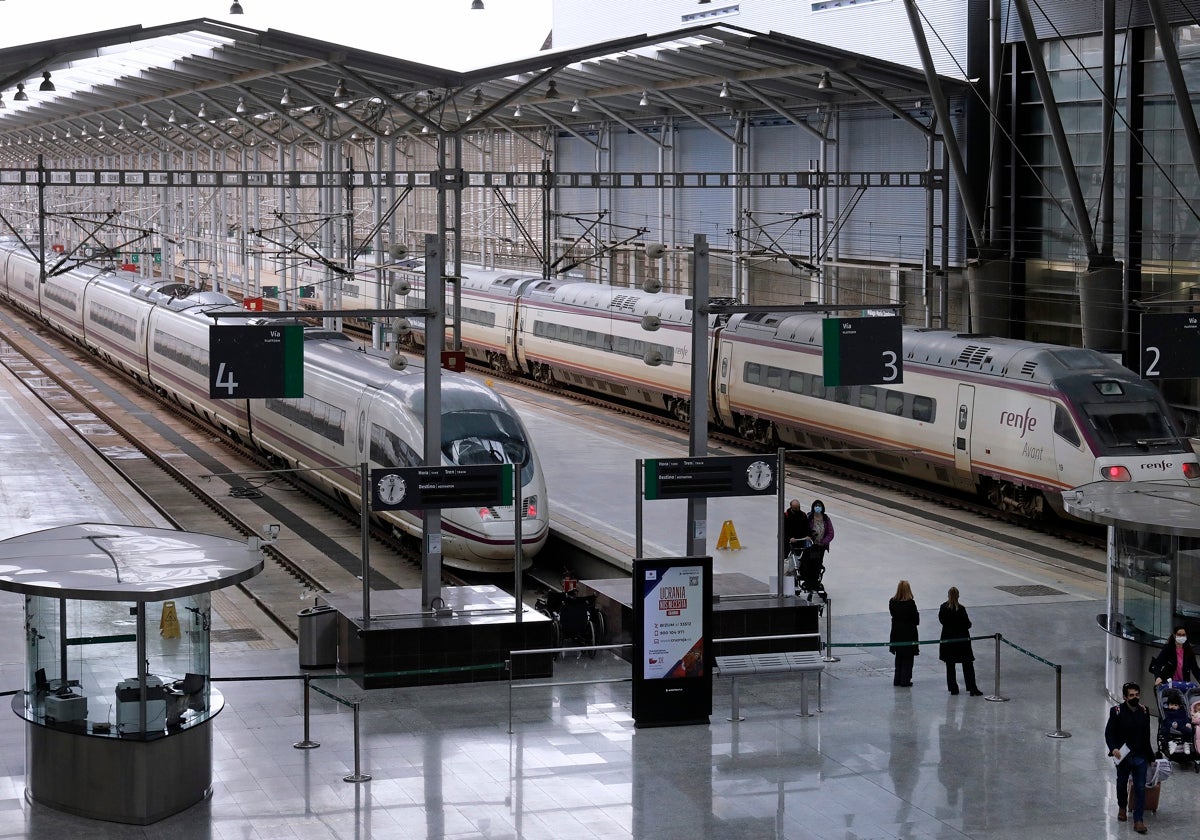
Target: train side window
[(868, 397), (795, 382), (923, 409), (577, 335), (592, 339), (668, 353), (842, 394), (753, 374), (818, 387), (893, 402), (774, 377), (1064, 427), (623, 345)]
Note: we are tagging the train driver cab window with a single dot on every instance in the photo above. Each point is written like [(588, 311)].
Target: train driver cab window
[(1064, 427)]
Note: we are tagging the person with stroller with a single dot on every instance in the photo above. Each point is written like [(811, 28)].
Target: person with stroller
[(957, 625), (905, 618), (1176, 661), (795, 525), (820, 526), (1127, 735)]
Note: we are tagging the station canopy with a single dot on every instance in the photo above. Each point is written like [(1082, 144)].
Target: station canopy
[(201, 83)]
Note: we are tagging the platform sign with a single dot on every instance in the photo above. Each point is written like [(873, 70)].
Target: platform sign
[(702, 478), (255, 362), (863, 351), (426, 488), (1170, 345), (673, 657)]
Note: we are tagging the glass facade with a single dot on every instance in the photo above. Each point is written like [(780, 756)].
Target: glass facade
[(82, 666), (1155, 585)]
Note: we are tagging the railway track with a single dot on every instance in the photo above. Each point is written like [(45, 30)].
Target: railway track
[(201, 481)]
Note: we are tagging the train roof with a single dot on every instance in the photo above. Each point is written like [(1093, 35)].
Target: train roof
[(988, 355), (624, 301)]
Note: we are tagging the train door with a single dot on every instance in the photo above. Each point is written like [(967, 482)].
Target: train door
[(363, 426), (724, 362), (962, 427)]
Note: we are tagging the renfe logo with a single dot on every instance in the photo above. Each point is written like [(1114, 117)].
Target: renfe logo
[(1025, 422)]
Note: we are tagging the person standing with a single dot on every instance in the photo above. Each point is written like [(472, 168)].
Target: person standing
[(1176, 661), (795, 525), (1127, 735), (905, 619), (957, 625), (820, 526)]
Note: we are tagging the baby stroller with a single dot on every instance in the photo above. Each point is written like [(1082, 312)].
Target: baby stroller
[(807, 560), (1176, 733)]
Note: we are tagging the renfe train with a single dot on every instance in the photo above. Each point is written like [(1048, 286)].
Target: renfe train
[(1015, 421), (354, 408)]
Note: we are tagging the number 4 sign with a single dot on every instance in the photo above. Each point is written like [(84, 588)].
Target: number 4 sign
[(255, 362)]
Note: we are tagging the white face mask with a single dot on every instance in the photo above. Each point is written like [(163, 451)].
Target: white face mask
[(1181, 640)]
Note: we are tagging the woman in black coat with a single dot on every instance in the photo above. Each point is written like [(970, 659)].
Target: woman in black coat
[(1176, 661), (957, 625), (905, 619)]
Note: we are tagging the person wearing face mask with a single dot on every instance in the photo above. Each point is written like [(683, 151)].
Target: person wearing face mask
[(1127, 736), (820, 525), (1176, 661)]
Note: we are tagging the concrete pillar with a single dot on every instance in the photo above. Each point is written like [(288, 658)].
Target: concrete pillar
[(1102, 306), (989, 290)]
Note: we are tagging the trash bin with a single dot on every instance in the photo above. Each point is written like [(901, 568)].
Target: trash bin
[(318, 637)]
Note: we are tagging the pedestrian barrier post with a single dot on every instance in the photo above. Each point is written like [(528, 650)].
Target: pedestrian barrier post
[(996, 696), (1058, 732), (357, 775), (829, 657), (308, 743)]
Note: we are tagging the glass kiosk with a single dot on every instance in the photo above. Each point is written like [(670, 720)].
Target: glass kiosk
[(1153, 569), (117, 702)]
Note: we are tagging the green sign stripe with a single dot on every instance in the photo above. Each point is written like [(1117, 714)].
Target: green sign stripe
[(831, 351), (506, 485), (650, 479)]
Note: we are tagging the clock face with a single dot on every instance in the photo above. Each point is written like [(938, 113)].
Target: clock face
[(759, 475), (391, 489)]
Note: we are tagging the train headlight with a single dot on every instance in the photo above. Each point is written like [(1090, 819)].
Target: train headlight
[(1115, 473), (1191, 469)]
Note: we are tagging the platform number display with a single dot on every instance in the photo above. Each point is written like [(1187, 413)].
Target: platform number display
[(1171, 345), (862, 351), (255, 362)]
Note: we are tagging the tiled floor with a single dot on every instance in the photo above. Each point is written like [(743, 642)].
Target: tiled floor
[(877, 762)]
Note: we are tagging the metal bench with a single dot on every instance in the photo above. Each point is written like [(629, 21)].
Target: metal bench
[(786, 662)]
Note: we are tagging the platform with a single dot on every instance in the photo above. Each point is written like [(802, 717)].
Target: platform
[(403, 644)]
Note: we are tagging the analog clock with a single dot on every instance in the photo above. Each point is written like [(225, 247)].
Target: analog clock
[(759, 475), (391, 489)]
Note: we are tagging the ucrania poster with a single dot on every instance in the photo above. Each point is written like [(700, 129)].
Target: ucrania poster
[(674, 614)]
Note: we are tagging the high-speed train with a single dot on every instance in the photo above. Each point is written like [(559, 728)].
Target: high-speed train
[(1017, 422), (355, 408)]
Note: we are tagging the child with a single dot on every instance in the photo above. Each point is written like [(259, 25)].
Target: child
[(1175, 726), (1196, 725)]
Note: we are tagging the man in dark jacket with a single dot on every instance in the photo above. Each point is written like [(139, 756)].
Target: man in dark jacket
[(1128, 728)]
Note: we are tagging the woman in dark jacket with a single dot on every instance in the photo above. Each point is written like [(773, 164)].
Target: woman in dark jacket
[(1176, 661), (957, 625), (905, 619)]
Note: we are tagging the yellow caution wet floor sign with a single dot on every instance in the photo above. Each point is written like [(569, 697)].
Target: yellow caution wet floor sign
[(729, 537), (168, 625)]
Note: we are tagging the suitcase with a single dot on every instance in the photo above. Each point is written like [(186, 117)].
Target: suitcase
[(1151, 797)]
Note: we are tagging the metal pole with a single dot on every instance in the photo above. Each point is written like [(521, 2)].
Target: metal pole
[(308, 743), (735, 705), (364, 489), (1058, 730), (639, 467), (781, 535), (995, 696), (697, 508), (518, 556), (508, 663), (357, 775), (829, 657)]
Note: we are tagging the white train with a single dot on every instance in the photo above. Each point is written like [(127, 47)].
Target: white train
[(1017, 422), (355, 407)]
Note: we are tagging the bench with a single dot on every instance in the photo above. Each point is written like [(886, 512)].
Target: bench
[(786, 662)]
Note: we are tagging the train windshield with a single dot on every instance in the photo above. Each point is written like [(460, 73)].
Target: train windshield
[(472, 438), (1140, 424)]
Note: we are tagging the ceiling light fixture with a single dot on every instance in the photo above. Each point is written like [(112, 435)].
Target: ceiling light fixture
[(145, 120), (516, 111), (645, 100), (46, 86), (285, 100), (341, 92), (241, 106), (424, 129), (21, 96), (552, 90), (171, 119), (575, 107), (201, 114), (2, 105), (236, 8), (724, 94), (478, 100), (121, 126), (825, 83)]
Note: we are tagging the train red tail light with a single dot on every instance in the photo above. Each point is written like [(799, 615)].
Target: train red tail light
[(1191, 469), (531, 508), (1115, 473)]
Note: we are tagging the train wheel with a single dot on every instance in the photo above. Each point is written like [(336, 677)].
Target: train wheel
[(543, 374)]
